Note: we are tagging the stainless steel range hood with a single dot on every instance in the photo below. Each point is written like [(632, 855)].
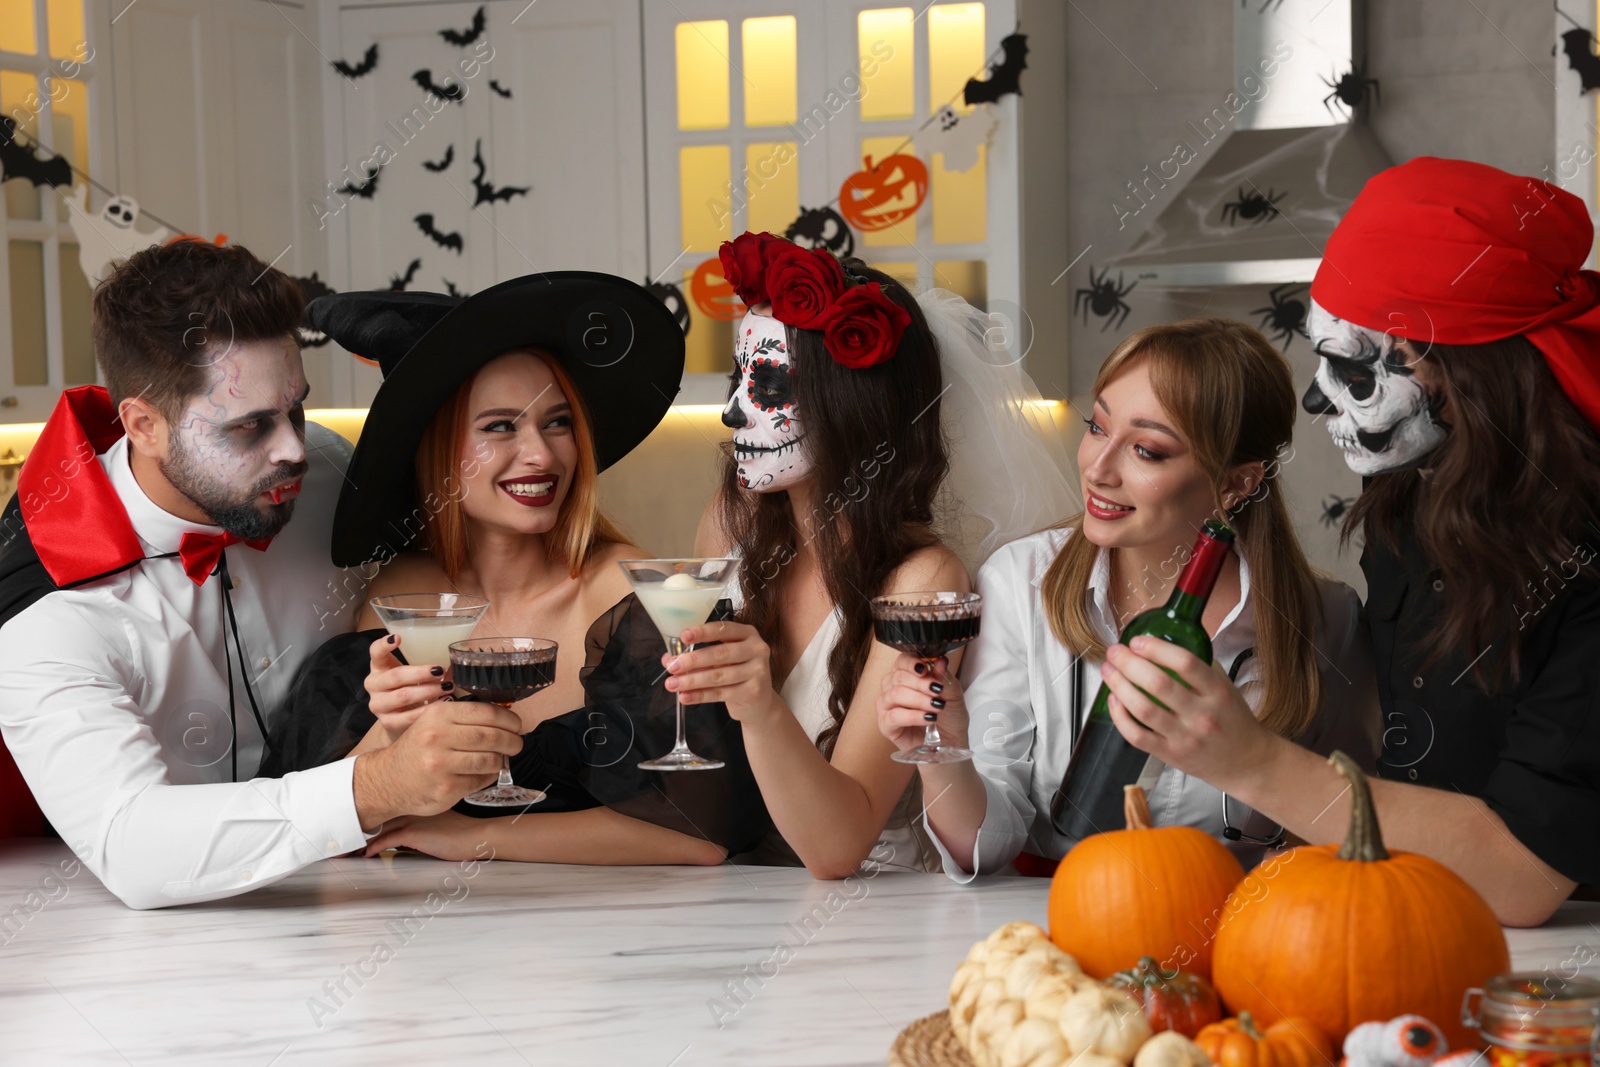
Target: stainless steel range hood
[(1284, 146)]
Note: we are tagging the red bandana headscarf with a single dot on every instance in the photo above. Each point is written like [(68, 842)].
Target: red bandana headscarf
[(1461, 253)]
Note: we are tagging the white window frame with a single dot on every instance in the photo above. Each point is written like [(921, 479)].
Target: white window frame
[(32, 403), (826, 50)]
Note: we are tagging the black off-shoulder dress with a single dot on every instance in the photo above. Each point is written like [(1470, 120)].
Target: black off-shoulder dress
[(583, 759)]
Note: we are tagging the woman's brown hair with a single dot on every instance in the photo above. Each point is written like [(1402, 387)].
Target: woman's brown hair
[(579, 527), (878, 457), (1233, 398), (1509, 503)]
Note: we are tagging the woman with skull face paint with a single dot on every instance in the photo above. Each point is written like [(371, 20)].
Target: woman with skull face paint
[(1459, 339), (828, 497), (1190, 422)]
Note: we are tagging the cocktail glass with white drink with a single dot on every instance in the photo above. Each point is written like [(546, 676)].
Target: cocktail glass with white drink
[(429, 623), (678, 594)]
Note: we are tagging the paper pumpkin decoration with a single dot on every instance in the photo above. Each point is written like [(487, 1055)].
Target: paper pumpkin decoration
[(712, 294), (672, 296), (877, 197), (822, 227)]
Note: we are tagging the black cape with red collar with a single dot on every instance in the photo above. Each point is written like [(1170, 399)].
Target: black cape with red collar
[(64, 526)]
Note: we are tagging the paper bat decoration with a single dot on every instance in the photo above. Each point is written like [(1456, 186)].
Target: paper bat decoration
[(1579, 47), (368, 62), (362, 189), (499, 90), (462, 38), (456, 92), (484, 192), (451, 241), (1006, 76), (19, 161), (450, 287), (449, 157), (397, 283)]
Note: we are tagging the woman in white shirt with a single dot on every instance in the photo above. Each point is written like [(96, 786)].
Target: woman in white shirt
[(1190, 421)]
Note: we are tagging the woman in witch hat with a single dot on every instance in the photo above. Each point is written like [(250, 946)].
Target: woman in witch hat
[(476, 473)]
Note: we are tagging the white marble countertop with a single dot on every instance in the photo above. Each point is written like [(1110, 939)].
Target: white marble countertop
[(412, 960)]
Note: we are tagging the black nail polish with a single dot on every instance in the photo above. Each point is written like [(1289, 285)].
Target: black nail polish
[(937, 687), (930, 716), (447, 686), (438, 672), (921, 668), (936, 702), (391, 639)]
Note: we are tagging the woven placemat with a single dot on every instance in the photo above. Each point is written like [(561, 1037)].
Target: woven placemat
[(929, 1042)]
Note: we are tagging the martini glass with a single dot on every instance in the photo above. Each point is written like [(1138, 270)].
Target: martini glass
[(678, 594), (427, 623), (927, 626), (503, 670)]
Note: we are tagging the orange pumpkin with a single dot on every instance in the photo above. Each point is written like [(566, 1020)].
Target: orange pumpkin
[(877, 197), (1341, 935), (712, 294), (1122, 895), (1172, 999), (1289, 1042)]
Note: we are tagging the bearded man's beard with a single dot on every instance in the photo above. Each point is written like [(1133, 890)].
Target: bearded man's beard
[(235, 510)]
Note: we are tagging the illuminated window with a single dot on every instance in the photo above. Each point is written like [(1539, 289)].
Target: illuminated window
[(77, 345), (967, 278), (19, 98), (17, 30), (703, 173), (30, 364), (886, 41), (66, 28), (960, 201), (702, 56), (955, 53), (772, 186), (768, 65), (709, 346)]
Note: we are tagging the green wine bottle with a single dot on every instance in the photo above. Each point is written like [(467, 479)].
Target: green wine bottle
[(1090, 797)]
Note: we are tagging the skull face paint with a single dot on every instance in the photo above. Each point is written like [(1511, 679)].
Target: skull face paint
[(761, 412), (1380, 415)]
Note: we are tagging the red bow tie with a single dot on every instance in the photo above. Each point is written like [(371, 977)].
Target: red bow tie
[(200, 552)]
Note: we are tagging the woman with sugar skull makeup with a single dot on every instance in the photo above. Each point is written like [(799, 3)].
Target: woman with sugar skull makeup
[(1459, 338), (845, 392)]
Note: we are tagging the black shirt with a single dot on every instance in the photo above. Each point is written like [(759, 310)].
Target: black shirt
[(1530, 749)]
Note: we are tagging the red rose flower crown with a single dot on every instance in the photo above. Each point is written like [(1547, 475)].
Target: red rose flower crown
[(809, 290)]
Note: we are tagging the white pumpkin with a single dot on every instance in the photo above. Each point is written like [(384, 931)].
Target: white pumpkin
[(991, 1025), (1170, 1049), (1105, 1021), (1035, 1043)]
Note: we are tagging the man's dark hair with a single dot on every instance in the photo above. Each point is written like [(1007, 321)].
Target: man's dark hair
[(162, 313)]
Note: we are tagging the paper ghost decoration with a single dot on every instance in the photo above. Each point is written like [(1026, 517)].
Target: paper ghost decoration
[(956, 136), (111, 235)]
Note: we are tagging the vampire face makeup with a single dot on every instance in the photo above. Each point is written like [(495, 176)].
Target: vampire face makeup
[(1379, 413), (237, 450), (767, 432)]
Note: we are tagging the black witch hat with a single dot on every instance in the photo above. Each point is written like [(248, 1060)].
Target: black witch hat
[(620, 346)]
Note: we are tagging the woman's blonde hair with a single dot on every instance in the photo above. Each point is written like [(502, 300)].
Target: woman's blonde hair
[(579, 527), (1233, 399)]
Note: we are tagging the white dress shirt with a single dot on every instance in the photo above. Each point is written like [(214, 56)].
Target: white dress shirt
[(114, 702), (1018, 682)]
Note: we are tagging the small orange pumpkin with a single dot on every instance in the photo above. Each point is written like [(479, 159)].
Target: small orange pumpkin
[(1122, 895), (1289, 1042), (1341, 935)]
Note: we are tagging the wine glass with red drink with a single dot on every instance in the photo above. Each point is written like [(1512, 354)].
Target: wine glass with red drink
[(927, 626), (503, 670)]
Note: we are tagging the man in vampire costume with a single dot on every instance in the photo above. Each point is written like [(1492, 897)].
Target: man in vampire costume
[(156, 601), (1459, 339)]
